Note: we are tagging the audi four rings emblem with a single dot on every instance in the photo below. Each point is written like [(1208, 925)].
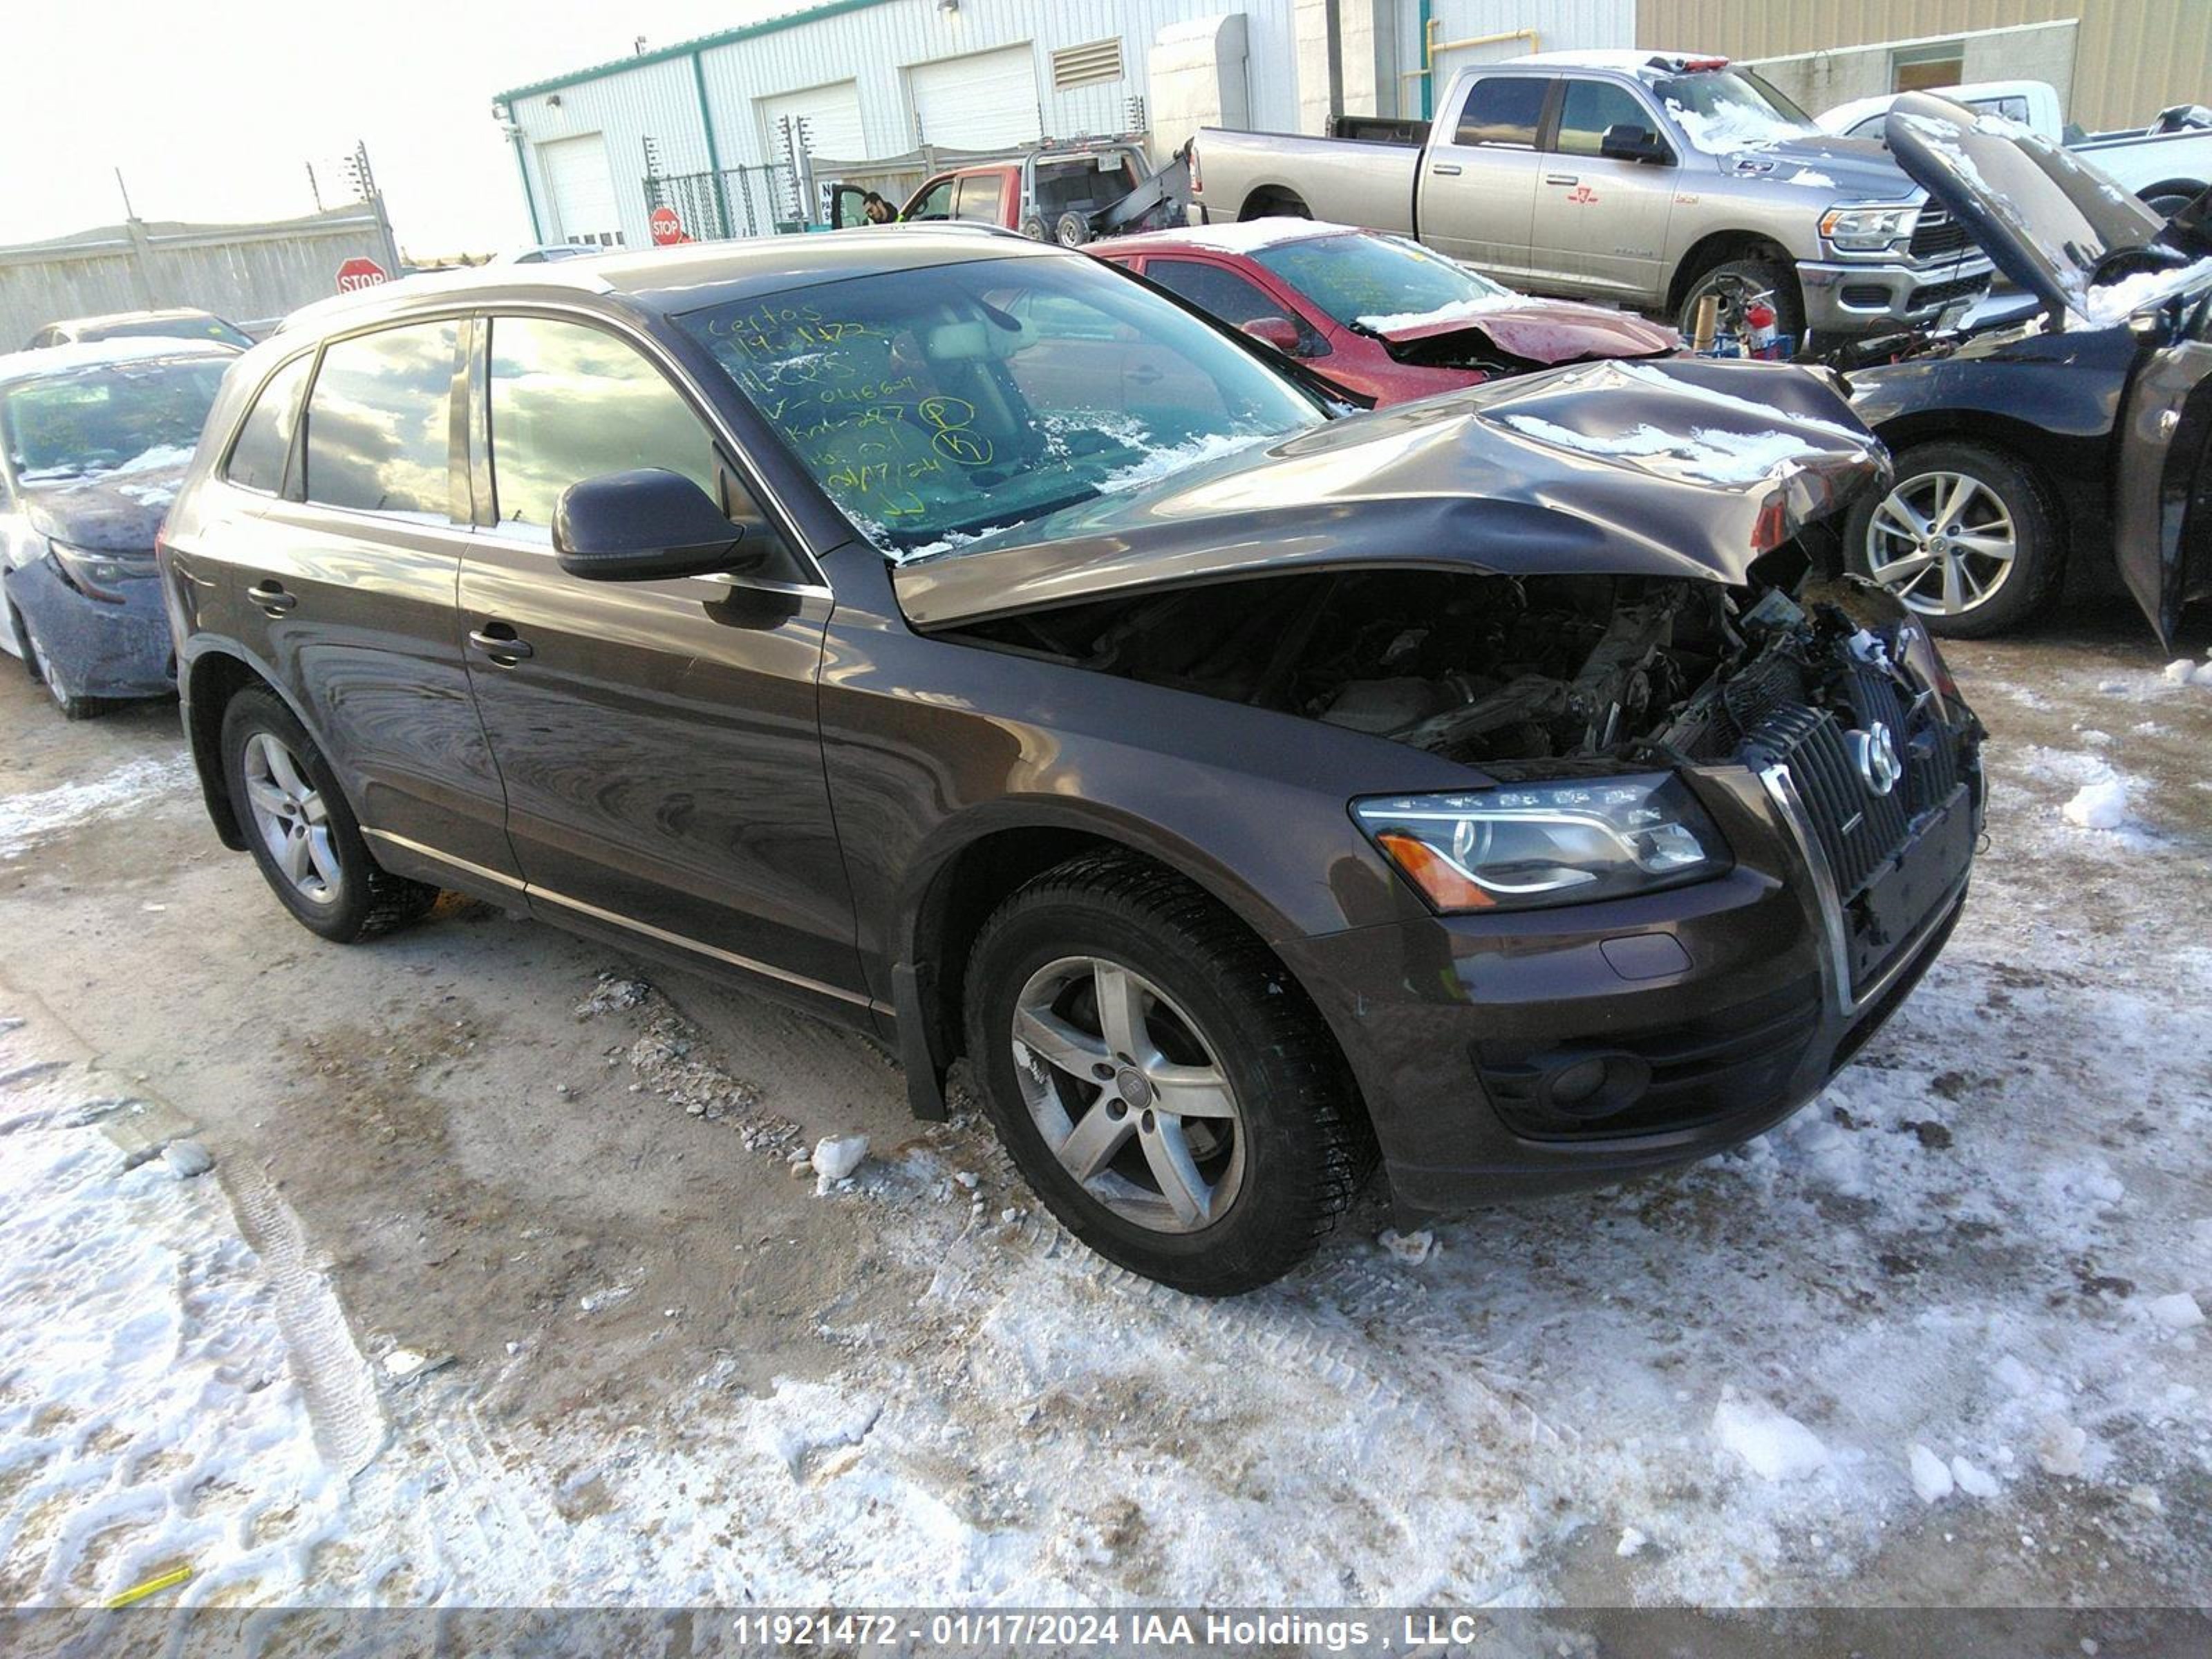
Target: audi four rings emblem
[(1874, 753)]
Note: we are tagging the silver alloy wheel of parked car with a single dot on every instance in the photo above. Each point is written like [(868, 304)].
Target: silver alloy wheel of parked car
[(1942, 542), (290, 817), (1128, 1094)]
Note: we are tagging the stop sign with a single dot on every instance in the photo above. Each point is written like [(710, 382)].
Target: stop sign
[(667, 228), (360, 272)]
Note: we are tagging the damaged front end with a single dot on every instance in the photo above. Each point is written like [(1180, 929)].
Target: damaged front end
[(1642, 616)]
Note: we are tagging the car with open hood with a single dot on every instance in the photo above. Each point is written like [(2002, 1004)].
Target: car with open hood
[(962, 641), (94, 441), (1378, 315), (2069, 421)]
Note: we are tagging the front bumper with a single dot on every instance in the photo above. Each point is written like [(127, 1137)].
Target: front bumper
[(1848, 298), (1713, 1011), (99, 648)]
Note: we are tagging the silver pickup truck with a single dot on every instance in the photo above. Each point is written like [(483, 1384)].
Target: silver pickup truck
[(1647, 179)]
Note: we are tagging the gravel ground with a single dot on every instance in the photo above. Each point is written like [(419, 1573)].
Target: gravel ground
[(510, 1282)]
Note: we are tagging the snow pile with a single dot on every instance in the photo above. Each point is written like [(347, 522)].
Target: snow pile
[(1250, 235), (835, 1157), (1931, 1475), (2109, 303), (1734, 127), (26, 820), (2182, 671), (2177, 1312), (1811, 179), (2101, 805), (1456, 311), (1772, 1445), (1703, 454)]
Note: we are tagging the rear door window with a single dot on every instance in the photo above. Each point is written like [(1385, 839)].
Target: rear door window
[(1587, 108), (379, 427), (265, 442), (570, 401), (981, 199), (1504, 110)]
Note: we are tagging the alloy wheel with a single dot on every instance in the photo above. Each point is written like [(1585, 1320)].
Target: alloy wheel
[(292, 818), (1942, 542), (1128, 1095)]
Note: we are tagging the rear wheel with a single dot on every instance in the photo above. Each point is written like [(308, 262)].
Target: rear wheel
[(1966, 537), (1736, 283), (1034, 227), (302, 831), (1163, 1086)]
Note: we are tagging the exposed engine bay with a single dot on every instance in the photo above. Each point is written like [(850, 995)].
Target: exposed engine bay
[(1498, 672)]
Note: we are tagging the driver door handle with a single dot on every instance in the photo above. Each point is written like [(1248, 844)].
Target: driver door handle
[(1449, 169), (497, 641), (1562, 178), (271, 596)]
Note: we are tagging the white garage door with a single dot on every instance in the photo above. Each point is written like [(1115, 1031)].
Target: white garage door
[(832, 115), (583, 189), (981, 101)]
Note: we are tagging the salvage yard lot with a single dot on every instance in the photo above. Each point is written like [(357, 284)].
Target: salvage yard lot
[(512, 1291)]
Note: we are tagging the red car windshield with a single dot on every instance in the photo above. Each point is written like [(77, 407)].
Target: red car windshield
[(1374, 283)]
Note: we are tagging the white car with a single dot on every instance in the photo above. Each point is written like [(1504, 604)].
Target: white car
[(2168, 163)]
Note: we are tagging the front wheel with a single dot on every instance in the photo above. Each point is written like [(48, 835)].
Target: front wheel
[(1966, 537), (1736, 283), (68, 703), (301, 830), (1163, 1085)]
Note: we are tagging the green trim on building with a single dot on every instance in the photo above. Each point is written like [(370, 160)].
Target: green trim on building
[(522, 166), (713, 150), (688, 48)]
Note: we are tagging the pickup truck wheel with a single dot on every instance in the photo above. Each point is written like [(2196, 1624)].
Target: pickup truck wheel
[(302, 832), (1966, 537), (1738, 283), (1073, 230), (1165, 1088)]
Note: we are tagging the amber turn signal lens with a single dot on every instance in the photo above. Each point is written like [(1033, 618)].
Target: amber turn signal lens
[(1435, 874)]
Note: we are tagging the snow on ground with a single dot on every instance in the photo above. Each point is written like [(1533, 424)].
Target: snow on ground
[(1939, 1337), (28, 819)]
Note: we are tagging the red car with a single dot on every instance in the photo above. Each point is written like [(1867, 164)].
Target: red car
[(1380, 315)]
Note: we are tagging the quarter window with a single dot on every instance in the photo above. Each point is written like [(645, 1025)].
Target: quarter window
[(569, 402), (1504, 110), (380, 422), (1587, 108), (265, 442)]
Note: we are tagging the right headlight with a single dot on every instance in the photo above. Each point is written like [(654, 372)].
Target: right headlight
[(1870, 229), (1524, 846)]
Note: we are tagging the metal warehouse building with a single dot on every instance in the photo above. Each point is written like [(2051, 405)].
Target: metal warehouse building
[(737, 131)]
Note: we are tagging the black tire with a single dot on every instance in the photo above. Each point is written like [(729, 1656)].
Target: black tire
[(2030, 579), (1072, 229), (1305, 1146), (1736, 281), (366, 899), (67, 703), (1034, 227), (2168, 201)]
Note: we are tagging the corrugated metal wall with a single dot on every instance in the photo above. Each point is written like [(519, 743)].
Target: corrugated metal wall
[(876, 44), (2136, 57), (1558, 25)]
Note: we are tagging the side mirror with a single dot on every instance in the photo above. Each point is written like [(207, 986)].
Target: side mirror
[(1280, 332), (649, 525), (1624, 141)]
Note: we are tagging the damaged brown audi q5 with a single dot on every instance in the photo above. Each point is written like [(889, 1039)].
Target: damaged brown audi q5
[(968, 643)]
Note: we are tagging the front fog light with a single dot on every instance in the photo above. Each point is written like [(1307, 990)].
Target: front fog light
[(1551, 843)]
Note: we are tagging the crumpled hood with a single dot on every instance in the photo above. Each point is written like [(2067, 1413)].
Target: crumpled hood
[(114, 513), (1681, 467), (1549, 332)]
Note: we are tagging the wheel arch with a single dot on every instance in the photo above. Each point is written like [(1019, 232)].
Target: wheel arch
[(206, 684), (954, 889), (1261, 199), (1718, 248)]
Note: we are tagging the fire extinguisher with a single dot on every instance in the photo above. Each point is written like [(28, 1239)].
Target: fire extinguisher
[(1758, 330)]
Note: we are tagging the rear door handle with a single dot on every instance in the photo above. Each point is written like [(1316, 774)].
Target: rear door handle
[(271, 596), (497, 641), (1562, 178), (1449, 169)]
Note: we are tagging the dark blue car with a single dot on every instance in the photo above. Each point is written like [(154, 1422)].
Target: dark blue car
[(94, 441)]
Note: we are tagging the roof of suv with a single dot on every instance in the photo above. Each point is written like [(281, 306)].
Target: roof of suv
[(91, 353), (694, 274)]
